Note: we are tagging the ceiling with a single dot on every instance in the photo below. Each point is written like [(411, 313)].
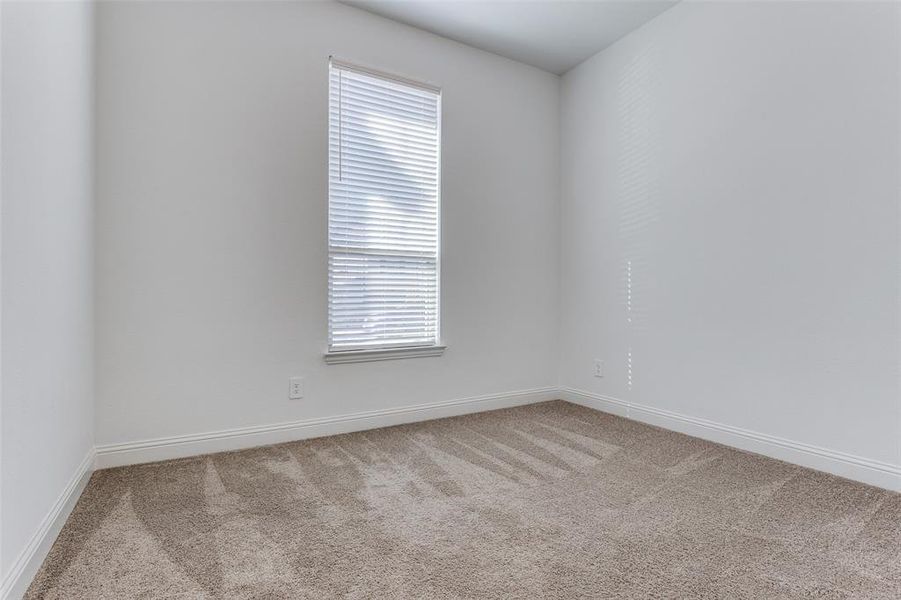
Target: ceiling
[(554, 35)]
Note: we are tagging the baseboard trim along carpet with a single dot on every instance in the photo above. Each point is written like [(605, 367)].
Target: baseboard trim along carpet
[(861, 469), (547, 500), (29, 560), (876, 473), (25, 566), (117, 455)]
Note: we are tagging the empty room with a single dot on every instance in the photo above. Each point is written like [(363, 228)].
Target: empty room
[(434, 299)]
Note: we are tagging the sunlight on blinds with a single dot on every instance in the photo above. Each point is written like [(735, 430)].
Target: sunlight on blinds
[(383, 231)]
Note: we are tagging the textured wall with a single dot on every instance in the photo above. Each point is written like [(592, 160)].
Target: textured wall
[(212, 200), (47, 260), (730, 220)]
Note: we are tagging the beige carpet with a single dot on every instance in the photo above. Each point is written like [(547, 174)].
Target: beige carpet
[(545, 501)]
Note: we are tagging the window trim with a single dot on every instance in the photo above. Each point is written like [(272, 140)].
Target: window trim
[(355, 356), (348, 66), (389, 352)]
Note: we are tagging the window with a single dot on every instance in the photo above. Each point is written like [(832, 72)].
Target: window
[(383, 228)]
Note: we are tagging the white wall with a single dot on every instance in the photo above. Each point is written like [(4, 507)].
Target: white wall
[(211, 225), (47, 261), (744, 158), (730, 187)]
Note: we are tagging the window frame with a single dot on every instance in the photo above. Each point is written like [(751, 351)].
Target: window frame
[(388, 351)]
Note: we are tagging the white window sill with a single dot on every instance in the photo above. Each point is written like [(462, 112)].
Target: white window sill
[(356, 356)]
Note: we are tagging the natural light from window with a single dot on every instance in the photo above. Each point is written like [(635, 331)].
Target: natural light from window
[(383, 230)]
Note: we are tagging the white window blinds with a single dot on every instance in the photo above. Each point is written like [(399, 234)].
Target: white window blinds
[(383, 211)]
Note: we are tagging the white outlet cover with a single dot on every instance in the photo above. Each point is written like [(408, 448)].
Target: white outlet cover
[(295, 388)]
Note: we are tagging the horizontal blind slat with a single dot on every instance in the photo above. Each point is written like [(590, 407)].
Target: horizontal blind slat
[(377, 89), (383, 212)]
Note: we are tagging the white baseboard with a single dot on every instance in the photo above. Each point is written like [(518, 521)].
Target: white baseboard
[(32, 556), (884, 475), (24, 568), (116, 455)]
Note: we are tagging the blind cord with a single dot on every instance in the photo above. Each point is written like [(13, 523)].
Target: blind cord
[(340, 125)]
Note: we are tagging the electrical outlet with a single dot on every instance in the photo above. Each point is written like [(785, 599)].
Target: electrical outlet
[(598, 368), (295, 388)]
